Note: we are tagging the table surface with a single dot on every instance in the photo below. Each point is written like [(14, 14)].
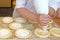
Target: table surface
[(33, 36)]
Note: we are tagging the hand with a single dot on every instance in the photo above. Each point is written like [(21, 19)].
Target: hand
[(58, 13), (33, 18), (43, 20), (51, 12)]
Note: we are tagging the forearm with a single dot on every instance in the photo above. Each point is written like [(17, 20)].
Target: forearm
[(27, 14)]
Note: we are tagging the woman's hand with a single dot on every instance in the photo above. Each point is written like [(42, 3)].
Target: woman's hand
[(58, 13), (43, 20)]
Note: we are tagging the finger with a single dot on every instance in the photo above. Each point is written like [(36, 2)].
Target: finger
[(43, 24), (43, 19), (49, 16)]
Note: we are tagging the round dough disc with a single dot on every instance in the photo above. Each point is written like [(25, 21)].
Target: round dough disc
[(55, 32), (41, 34), (15, 25), (5, 33), (7, 19), (23, 33), (20, 20)]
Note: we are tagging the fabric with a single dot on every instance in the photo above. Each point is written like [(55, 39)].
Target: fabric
[(55, 4)]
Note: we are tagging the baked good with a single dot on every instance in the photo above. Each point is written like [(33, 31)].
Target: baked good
[(55, 31), (7, 19), (5, 33), (23, 33), (40, 33), (15, 25), (20, 20)]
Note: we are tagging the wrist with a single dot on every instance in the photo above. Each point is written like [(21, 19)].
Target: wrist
[(37, 18), (34, 19)]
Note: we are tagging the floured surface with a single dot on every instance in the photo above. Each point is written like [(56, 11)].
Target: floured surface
[(33, 37)]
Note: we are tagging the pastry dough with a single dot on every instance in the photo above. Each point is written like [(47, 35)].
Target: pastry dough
[(23, 33), (50, 25), (55, 32), (7, 19), (15, 25), (40, 33), (51, 21), (20, 20), (5, 33)]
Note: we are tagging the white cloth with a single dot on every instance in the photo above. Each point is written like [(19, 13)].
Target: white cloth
[(29, 5), (54, 4)]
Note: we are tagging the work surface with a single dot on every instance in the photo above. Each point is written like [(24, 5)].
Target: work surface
[(33, 36)]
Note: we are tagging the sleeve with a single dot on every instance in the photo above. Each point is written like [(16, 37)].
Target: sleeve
[(53, 4), (20, 3), (59, 5)]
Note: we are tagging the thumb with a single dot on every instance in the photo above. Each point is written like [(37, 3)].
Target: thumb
[(49, 16)]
